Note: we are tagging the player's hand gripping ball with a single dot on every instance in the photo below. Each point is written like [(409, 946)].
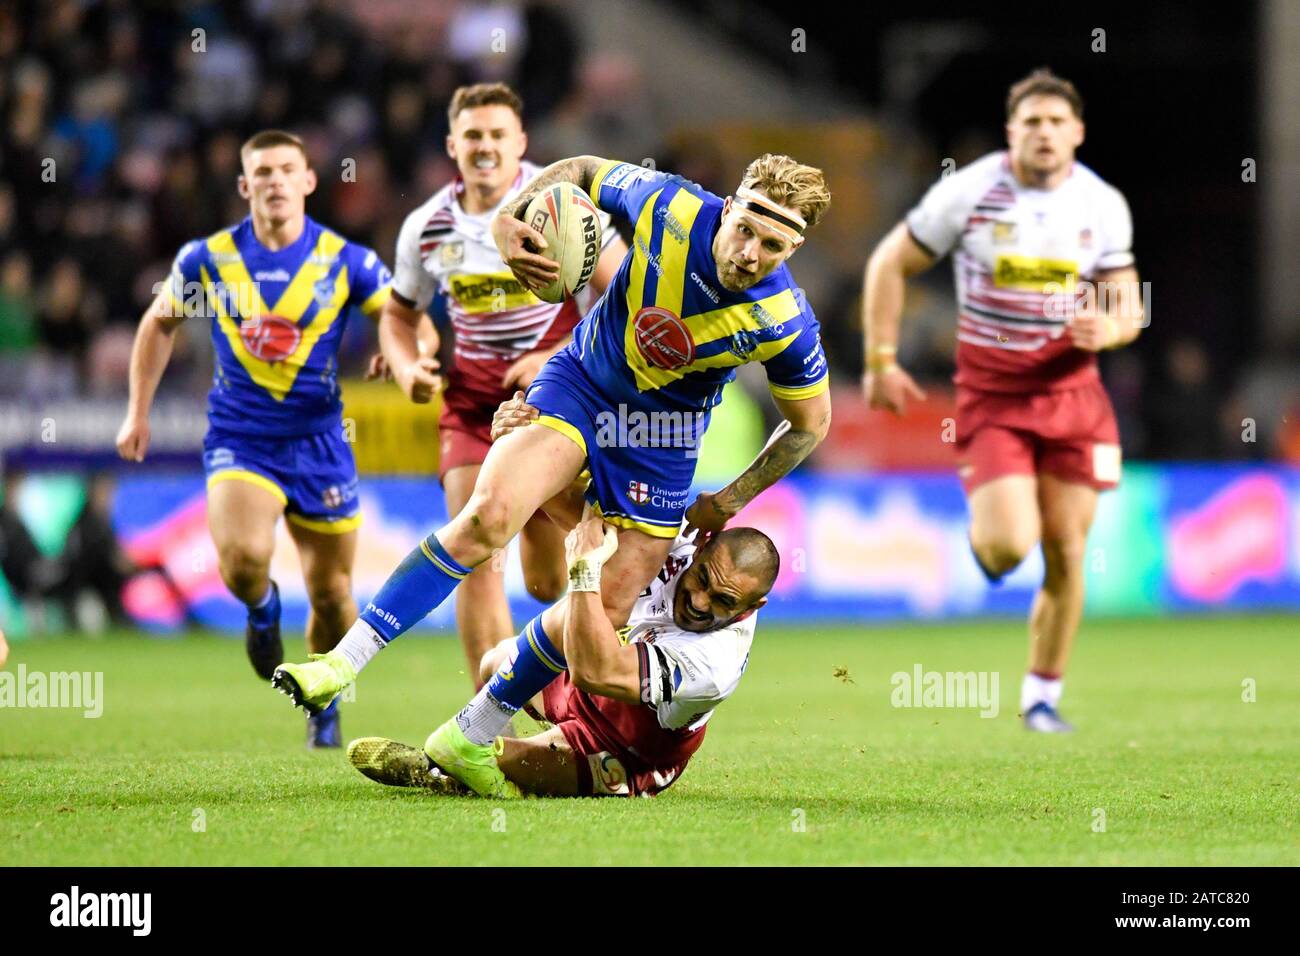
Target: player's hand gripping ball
[(566, 218)]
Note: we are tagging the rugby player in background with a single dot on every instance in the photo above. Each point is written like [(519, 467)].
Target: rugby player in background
[(278, 288), (503, 335), (1045, 280)]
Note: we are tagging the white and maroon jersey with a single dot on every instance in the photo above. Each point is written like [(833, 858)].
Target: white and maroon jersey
[(684, 675), (496, 319), (1018, 253)]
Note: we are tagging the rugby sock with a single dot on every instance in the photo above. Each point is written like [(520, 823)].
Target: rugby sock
[(1040, 687), (421, 582), (534, 664), (266, 612), (359, 645)]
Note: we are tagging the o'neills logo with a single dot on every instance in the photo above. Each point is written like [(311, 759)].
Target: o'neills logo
[(272, 338), (662, 338), (75, 908)]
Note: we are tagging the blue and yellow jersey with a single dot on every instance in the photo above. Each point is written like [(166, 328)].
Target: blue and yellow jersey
[(666, 335), (277, 320)]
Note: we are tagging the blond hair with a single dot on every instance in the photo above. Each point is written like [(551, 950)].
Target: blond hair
[(791, 184)]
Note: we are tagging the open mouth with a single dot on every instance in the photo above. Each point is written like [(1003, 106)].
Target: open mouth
[(695, 617), (486, 162)]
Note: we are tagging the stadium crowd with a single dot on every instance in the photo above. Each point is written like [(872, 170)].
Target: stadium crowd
[(119, 135)]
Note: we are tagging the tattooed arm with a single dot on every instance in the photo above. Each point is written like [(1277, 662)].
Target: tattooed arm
[(518, 242), (806, 423)]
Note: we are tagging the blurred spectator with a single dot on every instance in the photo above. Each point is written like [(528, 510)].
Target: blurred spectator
[(17, 311), (1182, 411), (69, 311), (92, 555)]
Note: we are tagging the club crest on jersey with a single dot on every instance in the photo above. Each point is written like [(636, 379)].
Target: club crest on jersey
[(452, 253), (742, 344), (331, 497), (1085, 238), (323, 291), (271, 338), (663, 339), (1004, 233), (638, 492)]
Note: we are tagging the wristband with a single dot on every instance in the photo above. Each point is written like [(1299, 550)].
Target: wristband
[(584, 575), (880, 358)]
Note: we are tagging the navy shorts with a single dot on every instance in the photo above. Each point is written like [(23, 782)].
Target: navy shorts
[(642, 461), (314, 476)]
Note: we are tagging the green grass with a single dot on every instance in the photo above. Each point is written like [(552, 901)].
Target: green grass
[(1184, 770)]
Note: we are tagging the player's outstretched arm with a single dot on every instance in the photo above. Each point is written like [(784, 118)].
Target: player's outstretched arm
[(598, 663), (149, 357), (807, 420), (896, 259), (401, 337)]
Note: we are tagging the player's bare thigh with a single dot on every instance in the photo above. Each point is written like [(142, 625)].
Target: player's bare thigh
[(544, 764), (522, 471), (1005, 523), (637, 560), (242, 517), (541, 551)]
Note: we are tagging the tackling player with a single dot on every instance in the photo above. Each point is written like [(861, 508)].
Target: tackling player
[(277, 287), (503, 334), (704, 290), (1045, 279), (631, 708)]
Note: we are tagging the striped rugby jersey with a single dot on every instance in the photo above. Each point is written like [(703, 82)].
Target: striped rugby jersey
[(277, 321), (1017, 254), (495, 318), (666, 336), (685, 675)]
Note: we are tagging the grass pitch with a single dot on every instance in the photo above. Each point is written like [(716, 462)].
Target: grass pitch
[(196, 762)]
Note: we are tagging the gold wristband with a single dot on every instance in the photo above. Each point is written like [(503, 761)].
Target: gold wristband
[(881, 358)]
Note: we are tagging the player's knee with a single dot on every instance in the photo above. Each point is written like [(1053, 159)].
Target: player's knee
[(329, 593), (1064, 552), (545, 584), (1002, 553), (486, 520), (242, 566)]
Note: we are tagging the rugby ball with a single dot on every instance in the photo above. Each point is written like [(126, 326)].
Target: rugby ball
[(567, 219)]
